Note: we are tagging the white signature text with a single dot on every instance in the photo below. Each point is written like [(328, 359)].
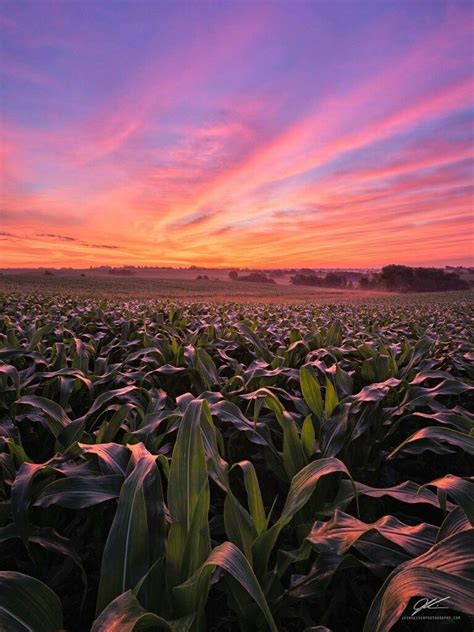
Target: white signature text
[(429, 604)]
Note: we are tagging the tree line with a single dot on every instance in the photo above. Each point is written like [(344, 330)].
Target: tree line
[(392, 278)]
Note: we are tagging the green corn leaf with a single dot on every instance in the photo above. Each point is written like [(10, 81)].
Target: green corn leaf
[(334, 335), (9, 372), (331, 400), (256, 341), (254, 496), (443, 571), (17, 451), (217, 466), (54, 413), (274, 404), (108, 430), (127, 392), (434, 439), (239, 525), (125, 614), (229, 412), (460, 490), (129, 549), (311, 390), (198, 542), (39, 333), (230, 558), (28, 605), (187, 479), (301, 489), (111, 457), (21, 494), (294, 457), (455, 522), (12, 339), (308, 437), (188, 466), (49, 540), (204, 364), (343, 531), (79, 492)]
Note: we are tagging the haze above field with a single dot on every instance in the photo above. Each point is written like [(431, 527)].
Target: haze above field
[(254, 134)]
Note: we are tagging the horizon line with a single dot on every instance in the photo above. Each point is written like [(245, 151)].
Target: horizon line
[(227, 267)]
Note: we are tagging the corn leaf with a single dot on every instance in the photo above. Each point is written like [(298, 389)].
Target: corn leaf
[(188, 484), (254, 496), (228, 557), (127, 553), (28, 605), (443, 571), (311, 390)]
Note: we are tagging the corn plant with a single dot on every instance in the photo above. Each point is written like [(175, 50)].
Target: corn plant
[(188, 466)]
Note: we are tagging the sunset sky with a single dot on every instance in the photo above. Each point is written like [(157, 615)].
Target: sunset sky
[(263, 133)]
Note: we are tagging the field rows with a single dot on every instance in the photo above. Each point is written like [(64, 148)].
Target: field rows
[(191, 467)]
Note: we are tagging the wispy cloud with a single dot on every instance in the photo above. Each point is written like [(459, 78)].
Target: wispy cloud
[(55, 236), (107, 246), (195, 219)]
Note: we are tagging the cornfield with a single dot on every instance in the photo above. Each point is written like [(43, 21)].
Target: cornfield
[(190, 467)]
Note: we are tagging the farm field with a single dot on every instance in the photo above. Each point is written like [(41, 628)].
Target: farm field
[(182, 457), (180, 285)]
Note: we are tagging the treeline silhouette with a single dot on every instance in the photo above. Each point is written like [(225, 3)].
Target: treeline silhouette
[(406, 279), (332, 279), (253, 277), (392, 278), (121, 271)]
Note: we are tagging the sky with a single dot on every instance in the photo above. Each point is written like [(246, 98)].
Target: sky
[(255, 134)]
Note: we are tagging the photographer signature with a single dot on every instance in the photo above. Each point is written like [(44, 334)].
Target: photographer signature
[(429, 604)]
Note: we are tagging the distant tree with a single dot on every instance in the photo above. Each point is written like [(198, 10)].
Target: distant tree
[(307, 279), (48, 273), (121, 271), (256, 277), (397, 278), (406, 279), (233, 274), (333, 279), (82, 274)]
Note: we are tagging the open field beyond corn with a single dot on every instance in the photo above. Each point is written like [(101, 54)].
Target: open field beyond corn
[(177, 465)]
